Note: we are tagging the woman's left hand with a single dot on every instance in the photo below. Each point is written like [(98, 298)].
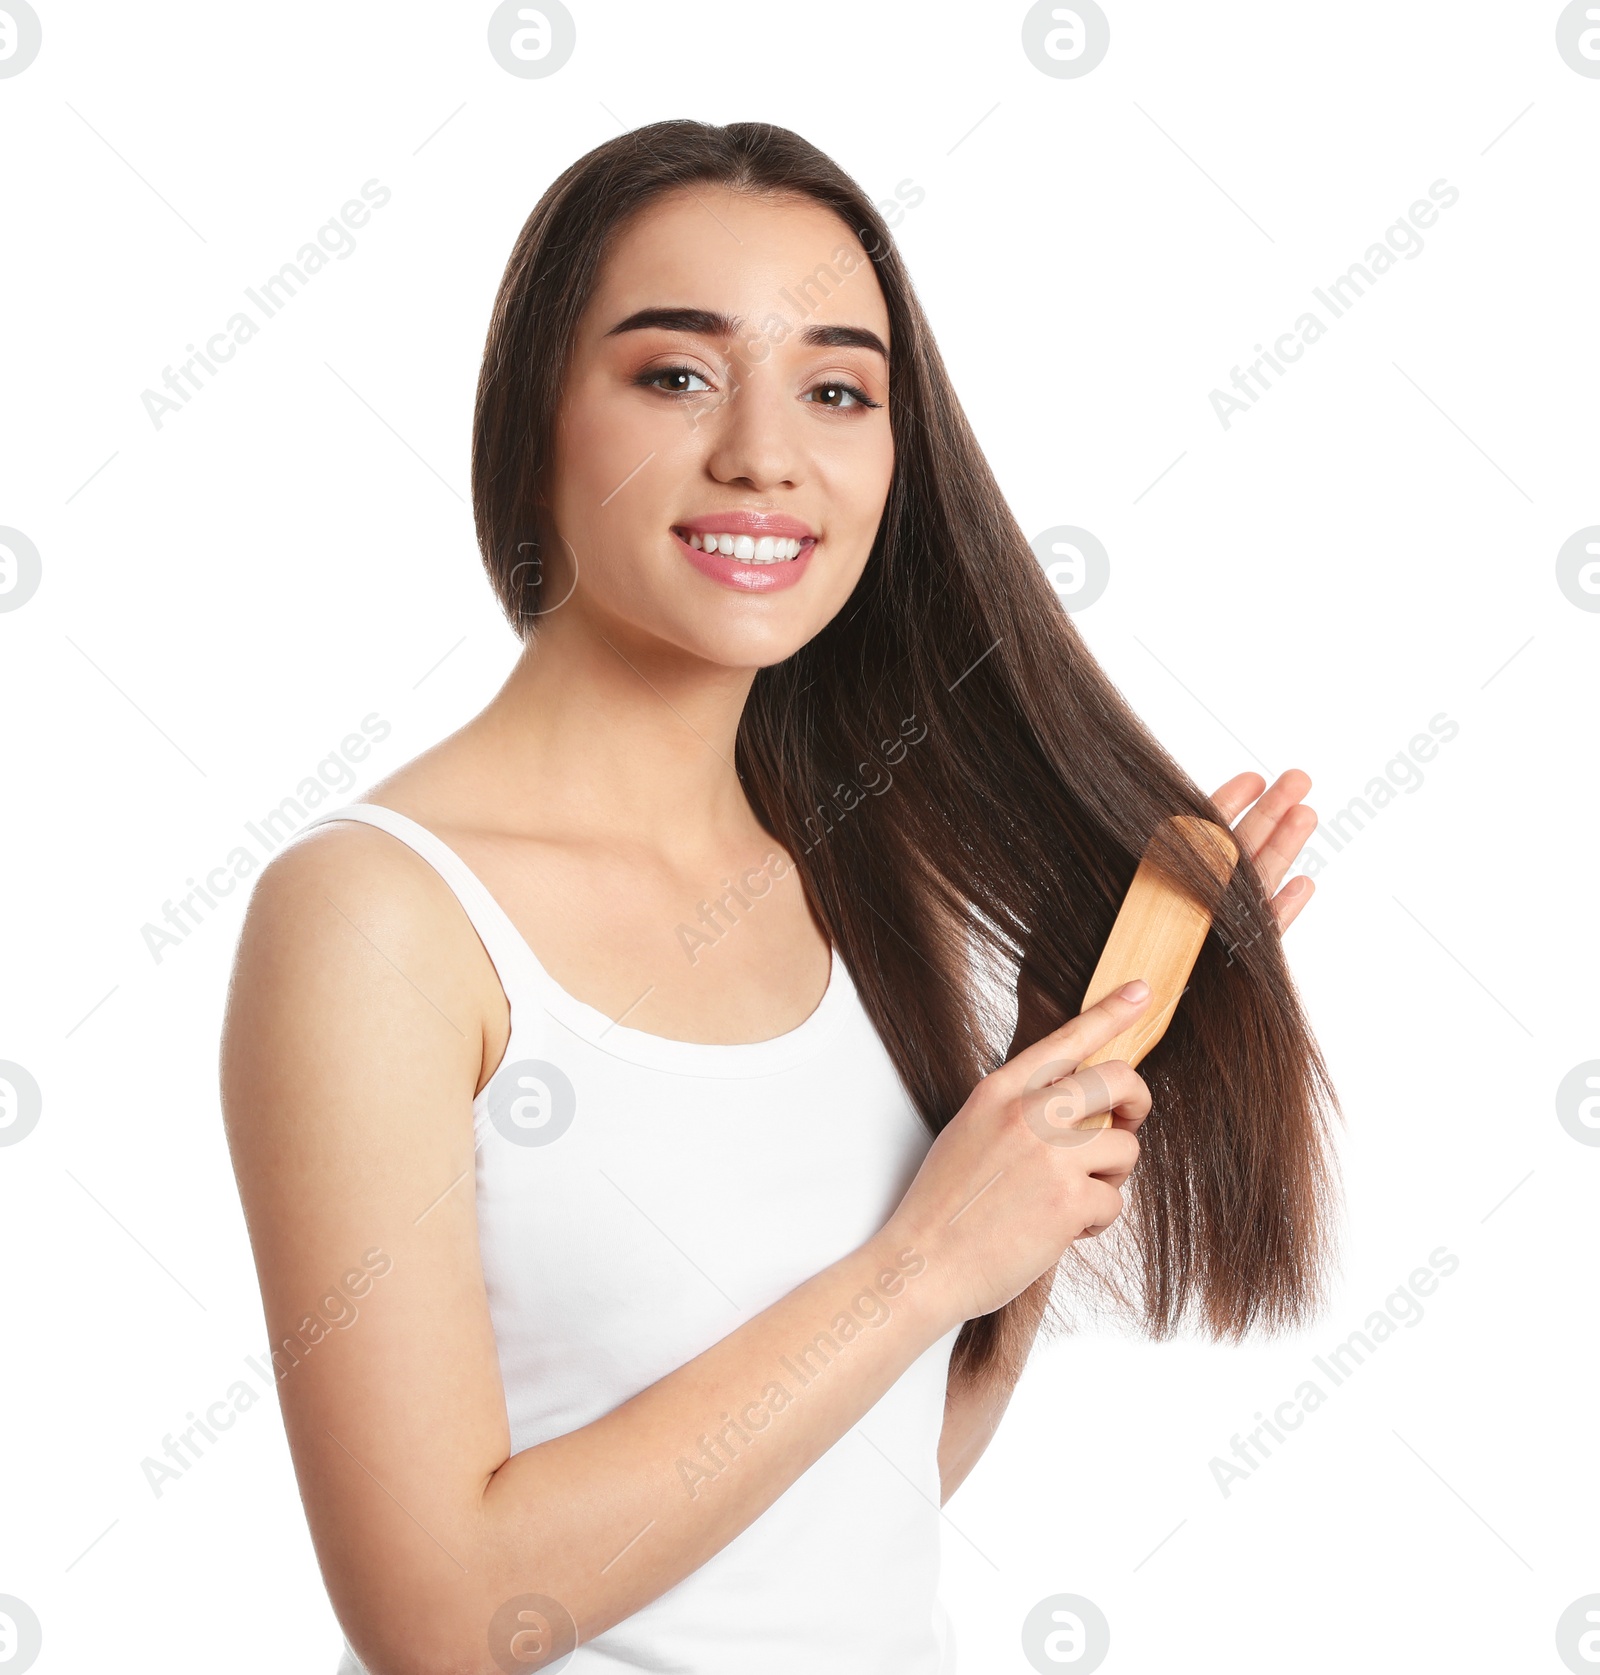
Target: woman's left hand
[(1272, 833)]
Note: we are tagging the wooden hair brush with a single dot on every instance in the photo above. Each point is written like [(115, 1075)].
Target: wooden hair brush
[(1158, 935)]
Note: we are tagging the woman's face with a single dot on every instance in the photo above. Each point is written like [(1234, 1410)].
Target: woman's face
[(728, 379)]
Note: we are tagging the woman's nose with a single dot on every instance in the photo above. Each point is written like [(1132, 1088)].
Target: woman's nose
[(753, 436)]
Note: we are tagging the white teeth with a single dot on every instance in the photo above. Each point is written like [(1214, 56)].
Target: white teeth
[(770, 549)]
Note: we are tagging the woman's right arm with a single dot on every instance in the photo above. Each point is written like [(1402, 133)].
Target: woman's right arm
[(353, 1048)]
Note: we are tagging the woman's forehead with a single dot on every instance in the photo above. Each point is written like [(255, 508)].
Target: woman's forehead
[(743, 256)]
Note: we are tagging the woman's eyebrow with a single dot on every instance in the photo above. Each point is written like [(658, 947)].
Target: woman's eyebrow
[(707, 322), (844, 337), (702, 321)]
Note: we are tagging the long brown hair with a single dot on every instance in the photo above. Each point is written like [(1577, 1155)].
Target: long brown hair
[(962, 787)]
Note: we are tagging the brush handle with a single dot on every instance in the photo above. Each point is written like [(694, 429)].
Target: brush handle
[(1158, 935)]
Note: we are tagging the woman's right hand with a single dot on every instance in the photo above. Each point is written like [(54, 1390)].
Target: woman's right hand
[(1014, 1177)]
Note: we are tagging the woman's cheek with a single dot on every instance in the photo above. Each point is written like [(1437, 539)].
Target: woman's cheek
[(599, 450), (866, 493)]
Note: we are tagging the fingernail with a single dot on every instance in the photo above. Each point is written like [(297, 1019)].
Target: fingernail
[(1136, 990)]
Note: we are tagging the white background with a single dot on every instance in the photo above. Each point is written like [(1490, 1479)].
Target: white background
[(1373, 544)]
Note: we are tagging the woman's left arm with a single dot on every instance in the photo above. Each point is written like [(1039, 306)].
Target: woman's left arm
[(1271, 834)]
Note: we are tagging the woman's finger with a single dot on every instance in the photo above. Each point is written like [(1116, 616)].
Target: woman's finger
[(1234, 797), (1277, 851), (1255, 830), (1276, 828), (1112, 1092), (1289, 901), (1272, 834), (1063, 1049)]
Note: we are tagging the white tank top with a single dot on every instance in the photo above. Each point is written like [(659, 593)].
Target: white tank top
[(638, 1199)]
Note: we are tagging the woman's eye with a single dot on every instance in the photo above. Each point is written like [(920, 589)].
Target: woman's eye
[(840, 396), (680, 377)]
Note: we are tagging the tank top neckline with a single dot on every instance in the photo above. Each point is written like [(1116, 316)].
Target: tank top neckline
[(523, 977)]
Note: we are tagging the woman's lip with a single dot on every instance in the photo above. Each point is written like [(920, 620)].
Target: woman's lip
[(747, 523), (741, 574)]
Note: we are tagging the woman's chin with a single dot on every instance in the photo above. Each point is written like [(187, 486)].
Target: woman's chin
[(729, 631), (745, 646)]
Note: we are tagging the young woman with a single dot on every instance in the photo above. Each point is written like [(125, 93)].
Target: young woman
[(611, 1088)]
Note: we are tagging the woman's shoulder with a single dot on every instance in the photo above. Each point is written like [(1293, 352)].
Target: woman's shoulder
[(359, 867), (348, 935), (352, 868)]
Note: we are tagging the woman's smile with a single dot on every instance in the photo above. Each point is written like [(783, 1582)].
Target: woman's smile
[(755, 552)]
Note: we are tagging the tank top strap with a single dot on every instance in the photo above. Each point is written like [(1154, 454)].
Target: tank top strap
[(506, 946)]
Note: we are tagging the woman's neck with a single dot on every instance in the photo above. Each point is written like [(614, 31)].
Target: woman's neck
[(601, 730)]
